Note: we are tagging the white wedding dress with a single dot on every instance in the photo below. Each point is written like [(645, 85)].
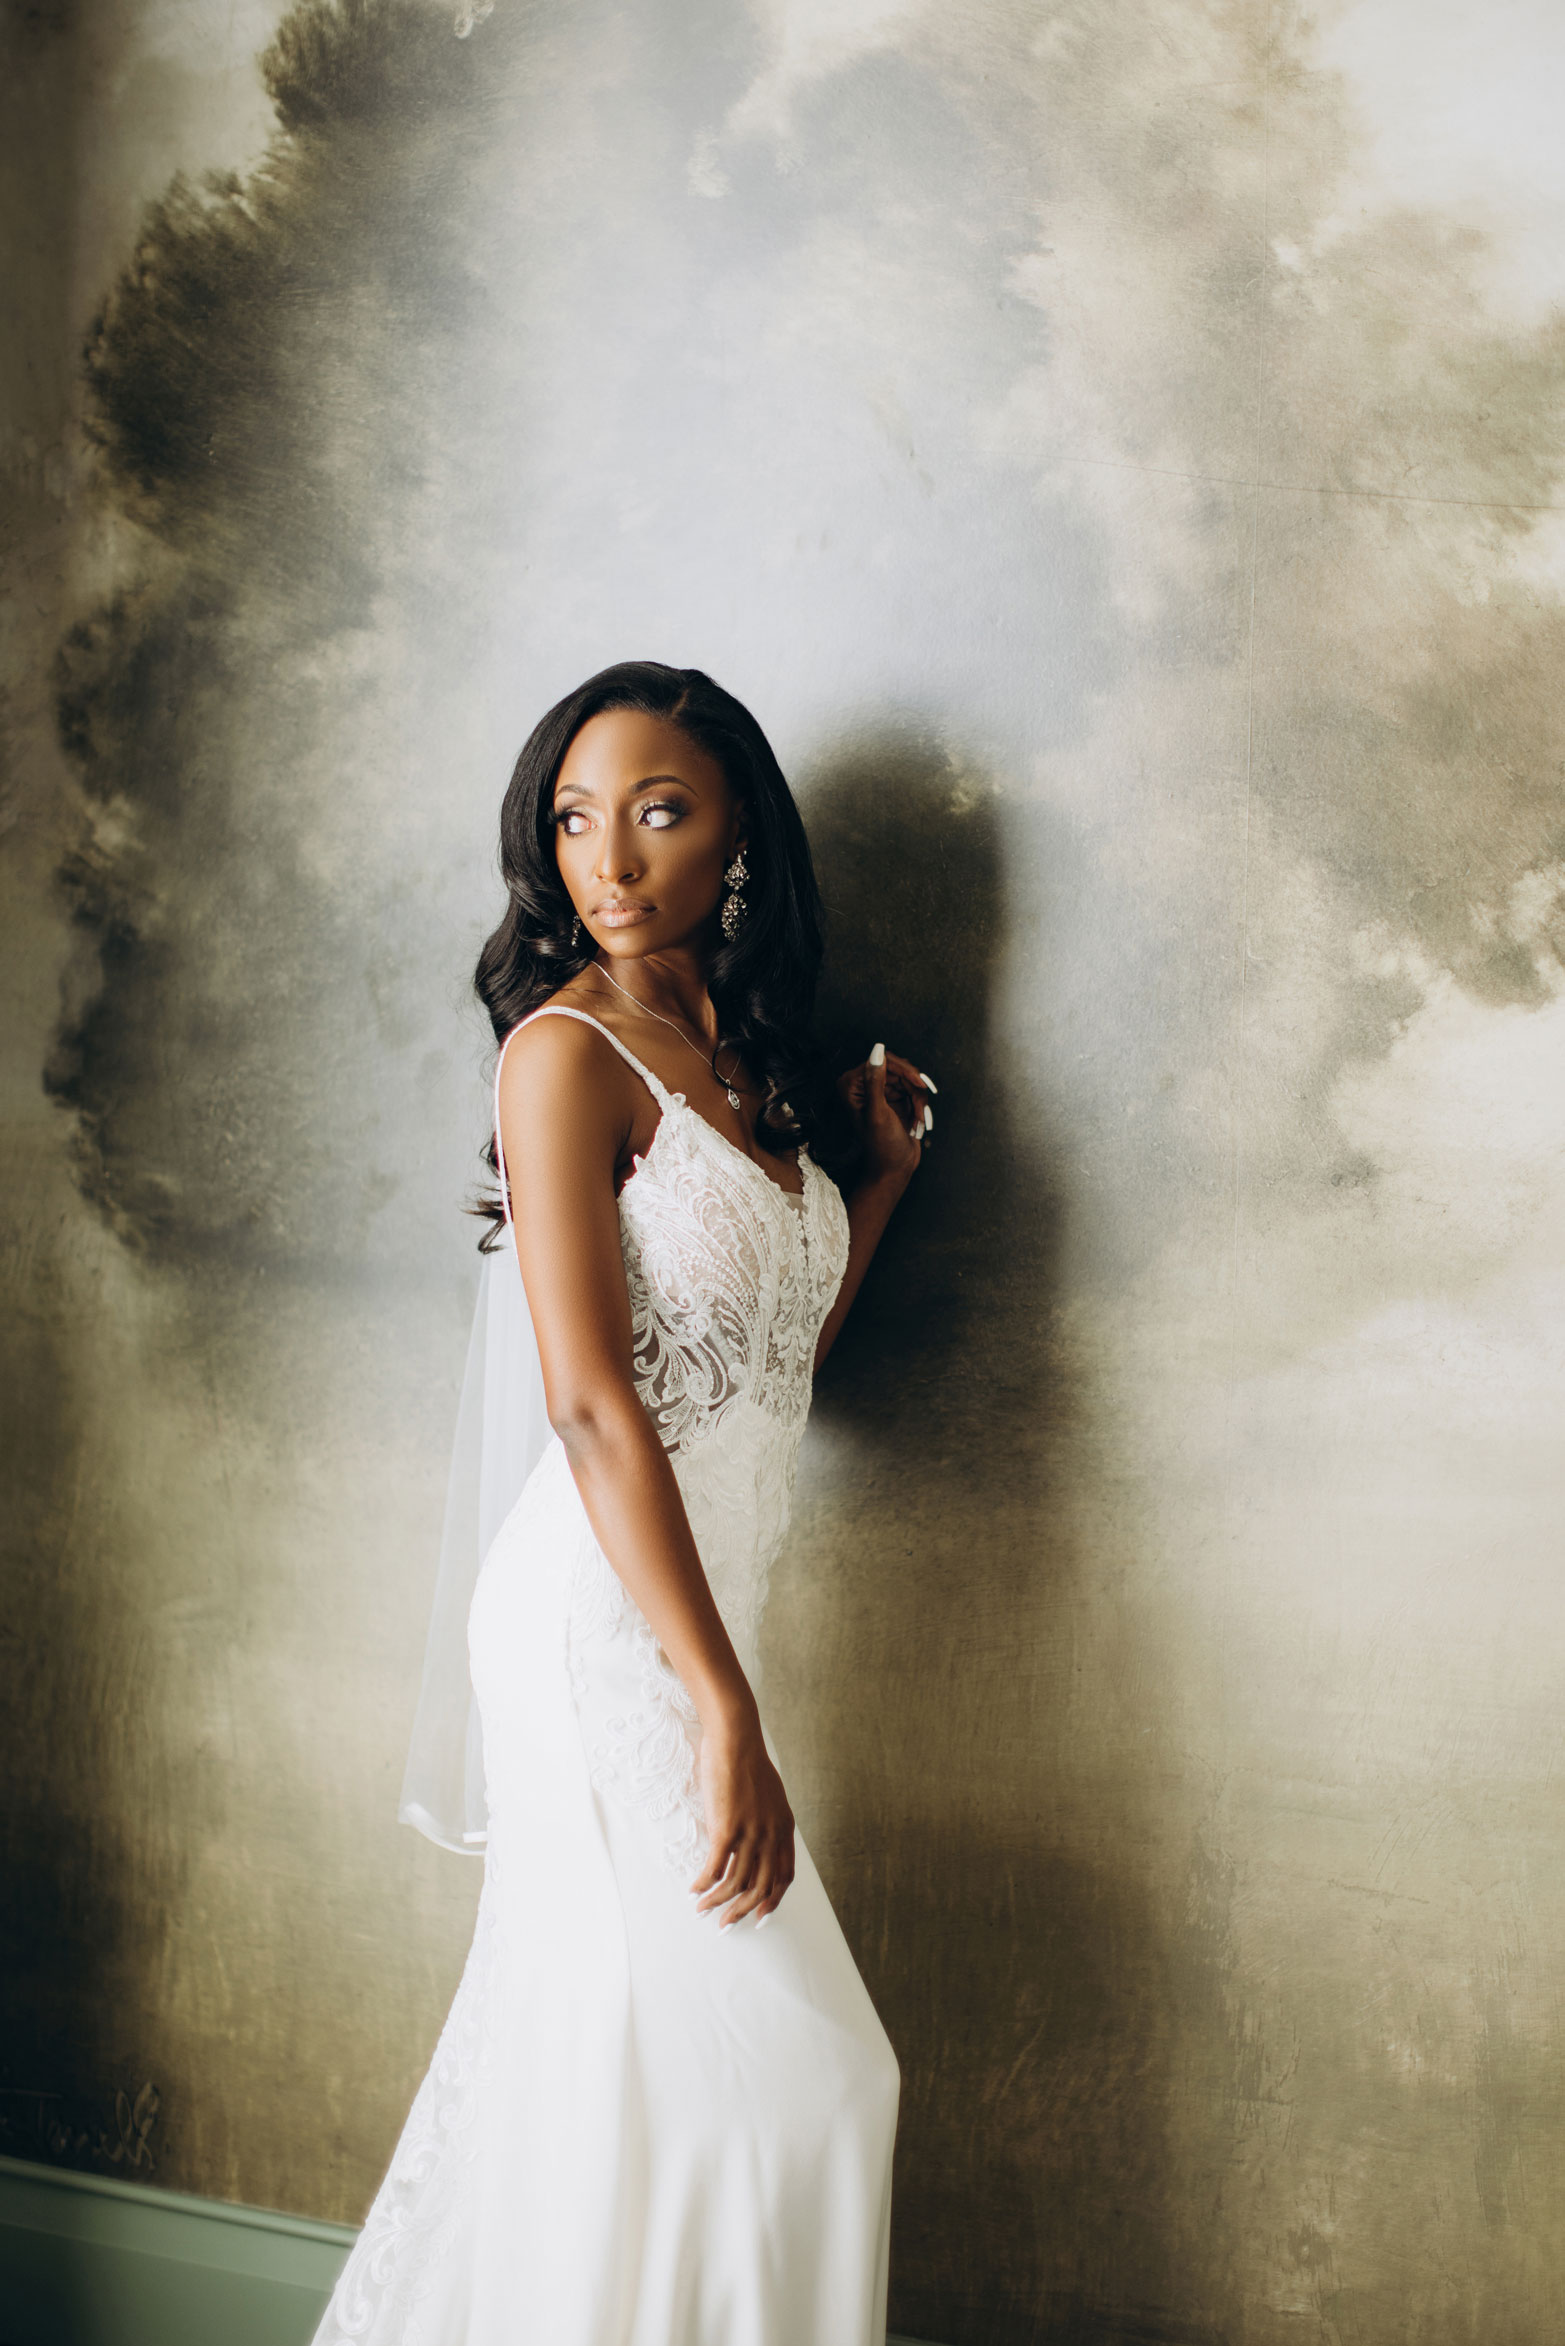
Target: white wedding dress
[(636, 2131)]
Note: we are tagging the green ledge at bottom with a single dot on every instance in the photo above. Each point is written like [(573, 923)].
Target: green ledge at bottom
[(86, 2260)]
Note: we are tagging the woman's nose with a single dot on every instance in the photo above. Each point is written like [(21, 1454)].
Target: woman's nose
[(616, 858)]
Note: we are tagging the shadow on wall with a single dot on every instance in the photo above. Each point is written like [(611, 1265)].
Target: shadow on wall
[(68, 1930), (987, 1877), (907, 846)]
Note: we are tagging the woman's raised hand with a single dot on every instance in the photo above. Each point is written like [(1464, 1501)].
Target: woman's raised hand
[(890, 1103), (750, 1826)]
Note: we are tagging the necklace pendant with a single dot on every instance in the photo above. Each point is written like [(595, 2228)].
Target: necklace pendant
[(733, 1099)]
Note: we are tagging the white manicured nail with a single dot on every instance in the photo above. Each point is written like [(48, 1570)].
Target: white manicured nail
[(929, 1117), (765, 1919), (928, 1082), (877, 1057)]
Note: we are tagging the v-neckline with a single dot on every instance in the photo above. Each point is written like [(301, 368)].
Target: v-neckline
[(678, 1100)]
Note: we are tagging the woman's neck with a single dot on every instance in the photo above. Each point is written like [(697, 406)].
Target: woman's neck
[(671, 984)]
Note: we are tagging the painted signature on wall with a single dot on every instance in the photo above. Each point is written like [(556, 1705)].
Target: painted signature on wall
[(36, 2122)]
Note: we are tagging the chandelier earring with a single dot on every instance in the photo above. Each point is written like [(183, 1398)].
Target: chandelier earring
[(734, 906), (576, 934)]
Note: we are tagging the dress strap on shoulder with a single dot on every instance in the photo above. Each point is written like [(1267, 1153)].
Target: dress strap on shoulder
[(563, 1010)]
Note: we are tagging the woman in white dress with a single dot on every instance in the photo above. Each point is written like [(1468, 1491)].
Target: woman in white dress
[(661, 2111)]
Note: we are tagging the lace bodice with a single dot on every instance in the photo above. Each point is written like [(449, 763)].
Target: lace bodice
[(730, 1280)]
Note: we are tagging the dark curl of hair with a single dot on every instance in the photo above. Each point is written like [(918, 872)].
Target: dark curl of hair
[(762, 983)]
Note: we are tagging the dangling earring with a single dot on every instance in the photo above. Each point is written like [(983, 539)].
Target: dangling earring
[(576, 934), (734, 906)]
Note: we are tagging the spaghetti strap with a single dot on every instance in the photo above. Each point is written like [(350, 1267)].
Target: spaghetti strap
[(563, 1010)]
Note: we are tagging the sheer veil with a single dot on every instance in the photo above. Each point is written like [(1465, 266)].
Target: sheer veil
[(502, 1430)]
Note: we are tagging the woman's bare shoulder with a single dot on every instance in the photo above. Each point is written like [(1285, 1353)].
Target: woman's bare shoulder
[(551, 1057)]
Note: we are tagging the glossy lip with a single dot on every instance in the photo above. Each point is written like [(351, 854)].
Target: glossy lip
[(621, 916)]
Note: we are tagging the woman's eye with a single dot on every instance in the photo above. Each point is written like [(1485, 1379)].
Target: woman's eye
[(661, 813), (570, 821)]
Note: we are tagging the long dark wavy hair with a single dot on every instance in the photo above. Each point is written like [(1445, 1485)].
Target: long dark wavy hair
[(762, 982)]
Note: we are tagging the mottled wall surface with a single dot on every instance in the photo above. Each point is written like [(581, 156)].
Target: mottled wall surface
[(1117, 448)]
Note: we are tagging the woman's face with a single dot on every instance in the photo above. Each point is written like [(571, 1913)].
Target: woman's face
[(644, 825)]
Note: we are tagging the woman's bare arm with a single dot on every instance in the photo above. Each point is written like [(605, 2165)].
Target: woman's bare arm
[(568, 1107)]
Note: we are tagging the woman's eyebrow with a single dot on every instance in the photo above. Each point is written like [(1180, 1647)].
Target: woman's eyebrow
[(648, 782)]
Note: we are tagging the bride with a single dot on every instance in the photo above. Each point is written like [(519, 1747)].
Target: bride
[(661, 2110)]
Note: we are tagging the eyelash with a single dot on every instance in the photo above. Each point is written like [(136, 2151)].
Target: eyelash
[(666, 806)]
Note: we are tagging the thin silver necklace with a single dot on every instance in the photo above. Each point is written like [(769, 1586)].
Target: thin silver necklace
[(733, 1096)]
